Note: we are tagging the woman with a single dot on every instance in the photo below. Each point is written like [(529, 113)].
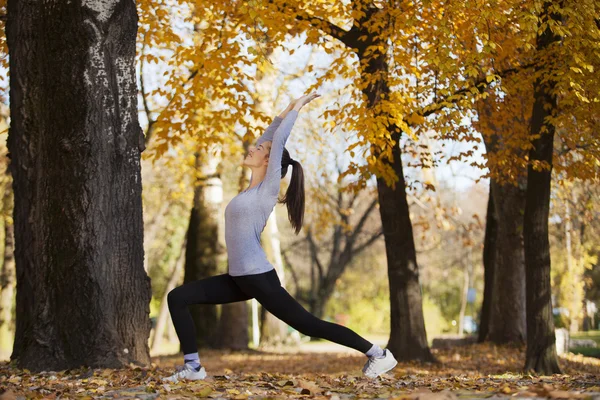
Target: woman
[(250, 273)]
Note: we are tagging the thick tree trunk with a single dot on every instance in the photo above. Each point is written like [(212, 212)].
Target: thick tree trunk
[(506, 295), (541, 342), (202, 250), (489, 267), (75, 141), (507, 324), (408, 339)]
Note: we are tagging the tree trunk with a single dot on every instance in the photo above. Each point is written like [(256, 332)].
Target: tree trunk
[(489, 267), (507, 324), (233, 326), (408, 339), (233, 323), (506, 297), (322, 296), (464, 298), (541, 342), (163, 315), (273, 331), (202, 250), (75, 143)]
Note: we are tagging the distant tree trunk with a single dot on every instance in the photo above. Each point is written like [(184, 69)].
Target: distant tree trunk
[(273, 331), (541, 341), (202, 244), (233, 323), (233, 326), (163, 315), (322, 296), (345, 247), (489, 267), (464, 298), (507, 324), (75, 142), (408, 339)]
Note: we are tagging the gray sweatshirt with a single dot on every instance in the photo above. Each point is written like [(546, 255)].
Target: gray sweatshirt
[(247, 213)]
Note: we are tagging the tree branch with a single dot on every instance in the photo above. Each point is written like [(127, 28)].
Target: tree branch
[(359, 249), (320, 24), (314, 254), (480, 84), (325, 26), (362, 221), (293, 271)]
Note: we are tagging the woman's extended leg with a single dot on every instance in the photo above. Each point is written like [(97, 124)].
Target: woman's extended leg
[(267, 289), (218, 289)]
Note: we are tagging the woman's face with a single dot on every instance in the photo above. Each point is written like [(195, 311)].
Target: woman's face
[(258, 156)]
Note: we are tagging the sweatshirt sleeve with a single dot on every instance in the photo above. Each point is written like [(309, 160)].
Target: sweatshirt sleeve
[(273, 175), (268, 135)]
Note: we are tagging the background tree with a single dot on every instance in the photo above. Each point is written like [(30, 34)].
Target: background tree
[(504, 124), (339, 235)]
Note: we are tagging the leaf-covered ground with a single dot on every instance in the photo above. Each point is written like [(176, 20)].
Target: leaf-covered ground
[(477, 371)]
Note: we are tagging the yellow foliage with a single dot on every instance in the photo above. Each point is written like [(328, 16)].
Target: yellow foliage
[(441, 59)]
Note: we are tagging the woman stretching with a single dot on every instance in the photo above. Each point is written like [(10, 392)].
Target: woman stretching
[(250, 273)]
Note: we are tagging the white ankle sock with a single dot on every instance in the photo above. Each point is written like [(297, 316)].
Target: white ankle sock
[(193, 360), (375, 351)]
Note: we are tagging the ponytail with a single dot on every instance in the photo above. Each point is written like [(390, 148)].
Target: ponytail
[(294, 196)]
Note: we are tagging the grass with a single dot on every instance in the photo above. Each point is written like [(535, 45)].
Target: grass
[(594, 335), (587, 351)]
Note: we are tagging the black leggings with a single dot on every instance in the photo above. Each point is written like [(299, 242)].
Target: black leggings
[(267, 289)]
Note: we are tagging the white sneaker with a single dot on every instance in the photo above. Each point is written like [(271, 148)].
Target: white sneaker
[(186, 373), (377, 366)]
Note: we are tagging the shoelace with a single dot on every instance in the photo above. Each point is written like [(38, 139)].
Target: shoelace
[(370, 364), (181, 371)]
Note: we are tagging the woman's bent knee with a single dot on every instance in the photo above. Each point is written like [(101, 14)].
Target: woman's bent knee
[(175, 298)]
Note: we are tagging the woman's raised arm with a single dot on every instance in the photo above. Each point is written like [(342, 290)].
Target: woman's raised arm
[(267, 136)]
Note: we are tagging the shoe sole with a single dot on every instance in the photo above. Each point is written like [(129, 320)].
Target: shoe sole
[(184, 379), (384, 371)]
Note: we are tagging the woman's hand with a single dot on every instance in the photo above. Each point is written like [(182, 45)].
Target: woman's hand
[(302, 101)]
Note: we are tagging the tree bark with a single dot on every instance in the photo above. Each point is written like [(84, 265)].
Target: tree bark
[(506, 297), (507, 324), (541, 341), (233, 326), (489, 267), (75, 144)]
